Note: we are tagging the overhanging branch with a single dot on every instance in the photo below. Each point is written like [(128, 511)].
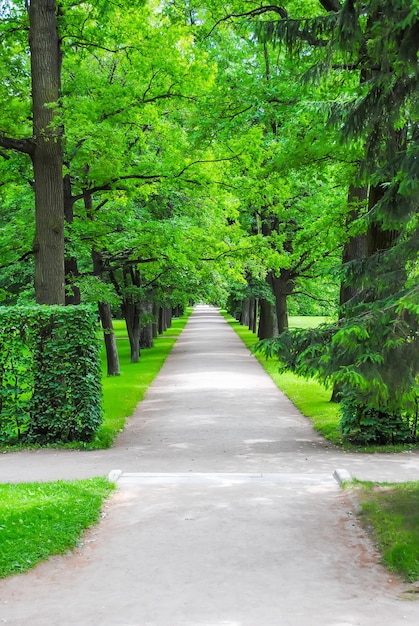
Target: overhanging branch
[(271, 8), (20, 145)]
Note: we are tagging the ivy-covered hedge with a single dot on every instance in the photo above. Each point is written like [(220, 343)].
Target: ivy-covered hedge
[(50, 378)]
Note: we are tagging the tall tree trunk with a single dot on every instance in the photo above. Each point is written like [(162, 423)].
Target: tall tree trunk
[(72, 292), (168, 313), (282, 287), (112, 357), (255, 315), (131, 312), (245, 314), (47, 158), (251, 322), (267, 320), (155, 324), (356, 247), (377, 238), (162, 320), (146, 333)]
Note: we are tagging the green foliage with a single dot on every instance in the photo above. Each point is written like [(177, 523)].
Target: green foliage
[(372, 355), (209, 163), (303, 351), (379, 406), (49, 374), (38, 520), (368, 426)]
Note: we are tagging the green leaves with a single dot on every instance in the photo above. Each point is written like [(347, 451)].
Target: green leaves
[(49, 374)]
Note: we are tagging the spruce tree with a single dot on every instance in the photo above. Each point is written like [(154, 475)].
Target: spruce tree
[(372, 352)]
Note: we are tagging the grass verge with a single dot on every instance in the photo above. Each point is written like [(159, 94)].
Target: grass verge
[(121, 394), (391, 514), (38, 520), (309, 396)]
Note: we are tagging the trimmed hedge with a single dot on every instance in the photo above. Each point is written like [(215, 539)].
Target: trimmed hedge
[(50, 378)]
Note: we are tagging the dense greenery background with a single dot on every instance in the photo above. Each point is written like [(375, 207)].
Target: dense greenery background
[(259, 156)]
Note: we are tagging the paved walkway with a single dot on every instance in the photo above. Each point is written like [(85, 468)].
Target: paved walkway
[(227, 513)]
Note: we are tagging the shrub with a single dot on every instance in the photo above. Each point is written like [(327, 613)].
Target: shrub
[(365, 424), (50, 388)]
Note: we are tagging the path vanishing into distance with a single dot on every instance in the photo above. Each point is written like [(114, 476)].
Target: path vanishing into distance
[(226, 514)]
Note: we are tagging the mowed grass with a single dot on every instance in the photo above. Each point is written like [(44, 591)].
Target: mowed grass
[(38, 520), (309, 396), (391, 515), (121, 394)]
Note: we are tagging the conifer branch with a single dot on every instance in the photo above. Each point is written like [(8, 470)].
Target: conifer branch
[(271, 8)]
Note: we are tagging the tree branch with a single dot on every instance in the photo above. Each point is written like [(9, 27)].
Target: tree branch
[(110, 185), (21, 258), (235, 156), (147, 178), (20, 145), (331, 5), (164, 96), (304, 293), (271, 8)]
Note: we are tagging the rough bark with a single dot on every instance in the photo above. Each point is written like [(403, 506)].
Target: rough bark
[(377, 238), (355, 247), (47, 159), (253, 314), (131, 311), (267, 320), (282, 286), (168, 316), (162, 323)]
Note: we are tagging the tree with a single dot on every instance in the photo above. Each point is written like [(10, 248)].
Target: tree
[(372, 352), (45, 150)]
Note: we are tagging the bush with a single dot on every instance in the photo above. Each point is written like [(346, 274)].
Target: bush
[(50, 389), (367, 425)]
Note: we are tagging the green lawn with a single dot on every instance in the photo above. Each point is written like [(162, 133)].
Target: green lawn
[(391, 513), (306, 321), (38, 520), (121, 394)]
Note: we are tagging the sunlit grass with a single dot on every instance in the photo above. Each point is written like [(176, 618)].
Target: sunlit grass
[(38, 520), (391, 513), (307, 321), (121, 394)]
